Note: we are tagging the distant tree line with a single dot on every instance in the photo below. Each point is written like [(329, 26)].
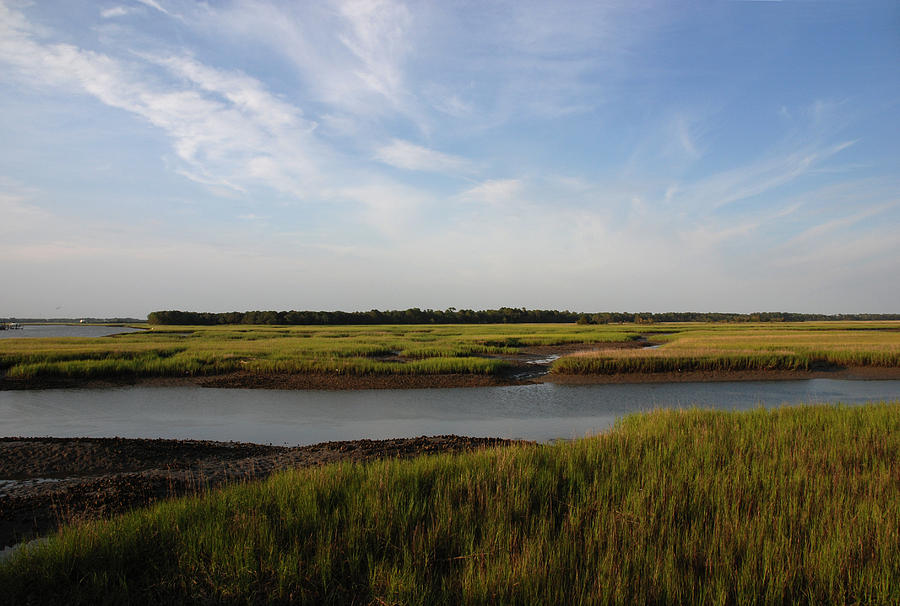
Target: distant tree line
[(504, 315), (693, 316)]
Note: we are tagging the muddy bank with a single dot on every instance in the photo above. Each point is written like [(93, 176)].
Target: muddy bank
[(48, 481), (249, 380), (335, 381)]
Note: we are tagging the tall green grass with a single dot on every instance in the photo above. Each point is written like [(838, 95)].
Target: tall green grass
[(793, 505)]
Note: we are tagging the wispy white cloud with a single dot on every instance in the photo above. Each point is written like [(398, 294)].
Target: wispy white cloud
[(154, 5), (409, 156), (224, 126), (113, 12), (349, 53), (685, 138), (772, 171), (365, 58), (494, 191), (710, 234), (823, 229), (377, 38), (245, 93), (448, 101)]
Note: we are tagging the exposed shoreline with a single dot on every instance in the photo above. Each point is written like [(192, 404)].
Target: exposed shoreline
[(50, 481)]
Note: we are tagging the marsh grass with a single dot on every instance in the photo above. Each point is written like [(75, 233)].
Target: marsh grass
[(792, 505), (359, 350), (751, 347), (181, 351), (363, 366)]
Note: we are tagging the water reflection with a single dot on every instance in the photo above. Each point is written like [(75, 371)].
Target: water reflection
[(65, 330), (536, 412)]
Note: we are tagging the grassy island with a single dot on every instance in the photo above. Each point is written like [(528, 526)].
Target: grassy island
[(498, 351), (177, 351), (749, 347), (792, 505)]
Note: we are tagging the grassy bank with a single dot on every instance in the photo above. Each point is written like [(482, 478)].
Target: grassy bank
[(729, 348), (795, 505)]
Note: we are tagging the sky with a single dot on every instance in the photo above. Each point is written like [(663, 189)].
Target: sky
[(360, 154)]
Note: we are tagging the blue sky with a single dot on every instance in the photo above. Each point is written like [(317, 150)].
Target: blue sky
[(358, 154)]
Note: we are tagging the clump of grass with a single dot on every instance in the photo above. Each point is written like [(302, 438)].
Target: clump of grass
[(794, 505)]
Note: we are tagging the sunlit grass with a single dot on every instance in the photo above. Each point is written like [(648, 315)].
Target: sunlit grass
[(352, 350), (752, 347), (794, 505), (359, 350)]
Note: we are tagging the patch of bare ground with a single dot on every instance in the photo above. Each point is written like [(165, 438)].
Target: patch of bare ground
[(50, 481)]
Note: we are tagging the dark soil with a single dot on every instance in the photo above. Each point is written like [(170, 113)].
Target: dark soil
[(45, 482)]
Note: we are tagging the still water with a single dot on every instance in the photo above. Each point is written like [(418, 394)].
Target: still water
[(536, 412), (64, 330)]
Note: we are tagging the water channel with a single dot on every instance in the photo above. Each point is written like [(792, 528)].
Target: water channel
[(537, 412), (35, 331)]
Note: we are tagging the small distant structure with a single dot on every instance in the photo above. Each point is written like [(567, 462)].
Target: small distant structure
[(10, 326)]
